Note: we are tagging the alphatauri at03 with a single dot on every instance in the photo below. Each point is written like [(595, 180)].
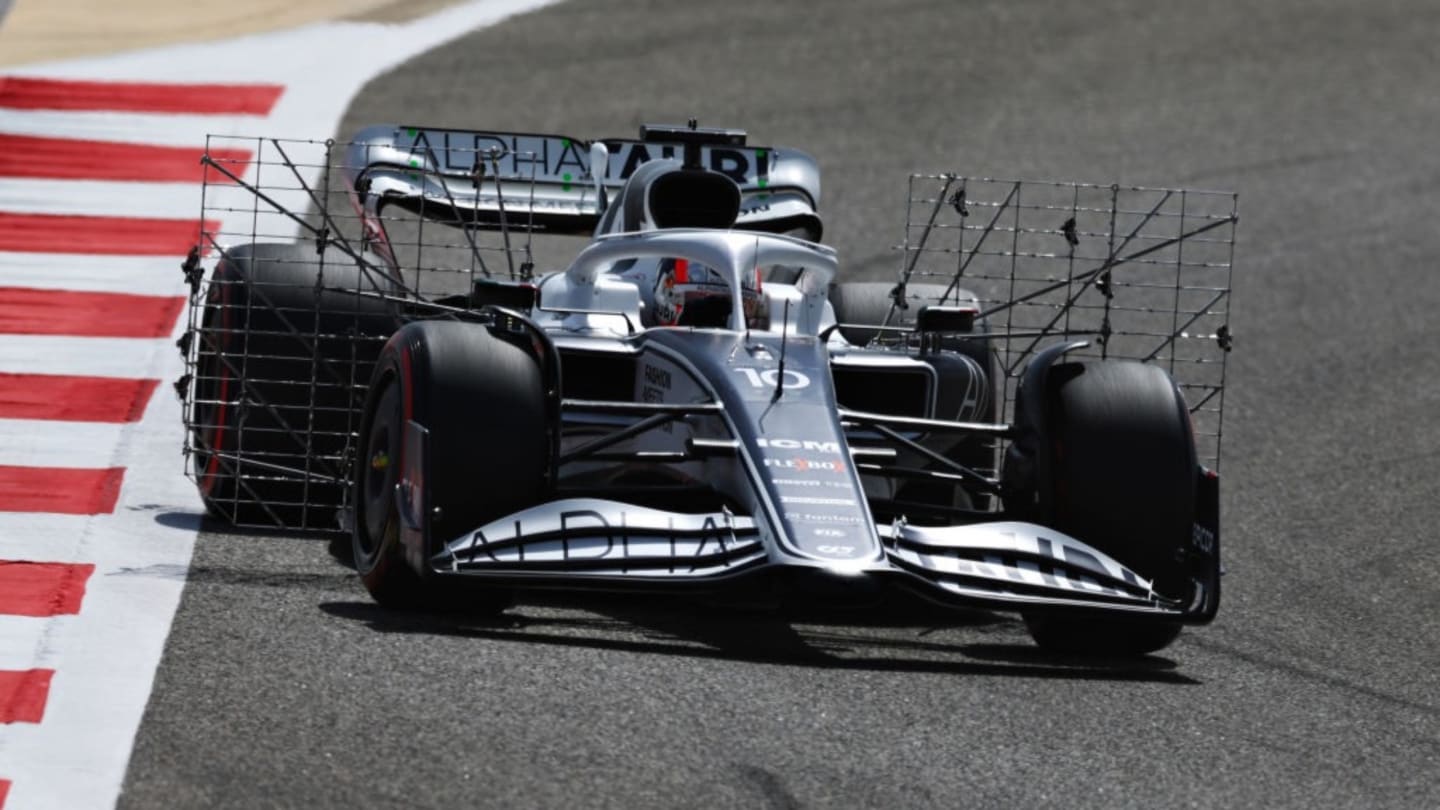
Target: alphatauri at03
[(1025, 417)]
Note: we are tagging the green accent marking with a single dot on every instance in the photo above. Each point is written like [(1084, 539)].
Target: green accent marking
[(566, 178), (565, 142), (762, 182), (410, 131), (759, 154), (414, 164)]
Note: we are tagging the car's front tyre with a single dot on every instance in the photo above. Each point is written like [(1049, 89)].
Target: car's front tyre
[(482, 399), (1122, 479)]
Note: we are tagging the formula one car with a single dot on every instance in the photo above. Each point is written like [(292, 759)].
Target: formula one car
[(1025, 418)]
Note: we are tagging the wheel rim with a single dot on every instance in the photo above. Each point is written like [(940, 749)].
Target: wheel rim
[(379, 471)]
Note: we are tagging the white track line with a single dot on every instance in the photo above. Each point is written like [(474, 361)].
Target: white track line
[(138, 275), (41, 443), (24, 642), (326, 62), (150, 130), (89, 357), (100, 198), (105, 658), (42, 538)]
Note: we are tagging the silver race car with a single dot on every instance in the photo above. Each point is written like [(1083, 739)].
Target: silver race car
[(1026, 417)]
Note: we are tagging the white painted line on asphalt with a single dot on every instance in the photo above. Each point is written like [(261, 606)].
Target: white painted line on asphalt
[(43, 537), (24, 640), (324, 61), (105, 659), (141, 128), (100, 198), (46, 443), (138, 275), (92, 357)]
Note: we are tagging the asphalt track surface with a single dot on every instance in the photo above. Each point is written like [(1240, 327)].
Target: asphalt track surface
[(282, 685)]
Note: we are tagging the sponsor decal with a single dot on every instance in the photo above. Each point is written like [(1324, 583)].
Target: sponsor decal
[(1203, 539), (817, 501), (810, 517), (655, 384), (799, 444), (806, 464), (657, 380), (656, 376), (747, 167), (557, 159), (588, 534), (998, 565), (547, 158)]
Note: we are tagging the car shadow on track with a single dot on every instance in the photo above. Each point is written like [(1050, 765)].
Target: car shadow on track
[(902, 634), (903, 637)]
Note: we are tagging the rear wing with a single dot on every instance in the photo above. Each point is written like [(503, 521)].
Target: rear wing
[(539, 182)]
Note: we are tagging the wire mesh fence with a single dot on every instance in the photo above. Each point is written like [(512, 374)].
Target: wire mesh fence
[(1143, 274), (304, 285), (312, 257)]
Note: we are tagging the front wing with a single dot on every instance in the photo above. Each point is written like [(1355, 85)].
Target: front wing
[(597, 543)]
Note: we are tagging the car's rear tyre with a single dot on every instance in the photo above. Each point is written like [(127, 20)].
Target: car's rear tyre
[(859, 304), (482, 399), (968, 383), (283, 349), (1123, 473)]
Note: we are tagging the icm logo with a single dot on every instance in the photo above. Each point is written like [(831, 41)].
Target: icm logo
[(799, 444)]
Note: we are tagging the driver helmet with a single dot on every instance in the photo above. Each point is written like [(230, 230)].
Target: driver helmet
[(690, 294)]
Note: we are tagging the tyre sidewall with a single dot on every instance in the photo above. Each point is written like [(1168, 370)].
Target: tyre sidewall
[(1124, 466), (482, 400)]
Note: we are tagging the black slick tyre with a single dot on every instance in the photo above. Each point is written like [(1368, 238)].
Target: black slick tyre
[(1123, 481), (283, 349), (482, 399)]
